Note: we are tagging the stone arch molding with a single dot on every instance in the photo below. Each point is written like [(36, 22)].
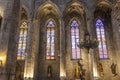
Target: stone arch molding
[(74, 7), (48, 9), (24, 14), (117, 5), (75, 10), (25, 8), (103, 3)]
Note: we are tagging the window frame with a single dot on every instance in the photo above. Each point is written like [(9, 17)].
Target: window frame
[(101, 40), (70, 23), (22, 56), (55, 34)]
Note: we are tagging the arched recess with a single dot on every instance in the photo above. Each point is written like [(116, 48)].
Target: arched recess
[(105, 35), (47, 13), (102, 15), (23, 31), (22, 44), (75, 12)]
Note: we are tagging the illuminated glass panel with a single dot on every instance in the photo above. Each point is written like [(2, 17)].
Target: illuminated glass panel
[(75, 39), (103, 53), (50, 47), (22, 40)]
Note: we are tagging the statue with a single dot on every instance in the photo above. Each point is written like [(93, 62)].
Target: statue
[(49, 71), (113, 69), (79, 72), (100, 69), (19, 72)]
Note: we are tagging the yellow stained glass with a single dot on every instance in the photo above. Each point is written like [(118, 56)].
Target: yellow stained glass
[(22, 40)]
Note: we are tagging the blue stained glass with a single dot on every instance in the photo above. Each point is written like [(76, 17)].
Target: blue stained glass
[(75, 39), (50, 24), (50, 46), (99, 23), (22, 41), (103, 53)]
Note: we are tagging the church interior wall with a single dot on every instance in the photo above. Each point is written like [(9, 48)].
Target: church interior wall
[(62, 11)]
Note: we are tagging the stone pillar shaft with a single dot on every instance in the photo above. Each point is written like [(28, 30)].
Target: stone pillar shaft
[(8, 50), (29, 60)]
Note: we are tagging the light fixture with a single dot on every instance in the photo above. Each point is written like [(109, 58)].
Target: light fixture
[(88, 43)]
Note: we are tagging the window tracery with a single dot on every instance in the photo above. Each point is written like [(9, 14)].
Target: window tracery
[(102, 47), (75, 39), (22, 40), (50, 46)]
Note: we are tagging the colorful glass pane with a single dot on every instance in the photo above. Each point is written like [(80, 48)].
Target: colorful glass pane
[(22, 40), (103, 53), (50, 46), (75, 40)]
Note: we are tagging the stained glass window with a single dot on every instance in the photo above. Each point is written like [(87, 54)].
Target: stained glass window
[(50, 46), (75, 39), (103, 52), (22, 40)]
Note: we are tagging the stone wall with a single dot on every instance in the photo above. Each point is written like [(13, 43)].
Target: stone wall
[(35, 43)]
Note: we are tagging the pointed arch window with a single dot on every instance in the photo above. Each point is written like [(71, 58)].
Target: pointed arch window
[(103, 52), (75, 39), (50, 46), (22, 40)]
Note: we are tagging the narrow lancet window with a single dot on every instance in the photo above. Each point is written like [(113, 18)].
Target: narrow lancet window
[(50, 46), (103, 52), (22, 40), (75, 40)]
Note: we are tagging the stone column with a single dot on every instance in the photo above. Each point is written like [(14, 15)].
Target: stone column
[(12, 43), (8, 43), (116, 31), (29, 59), (4, 38), (35, 47), (94, 71), (62, 53)]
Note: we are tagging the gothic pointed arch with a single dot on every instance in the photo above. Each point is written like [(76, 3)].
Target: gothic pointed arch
[(74, 14), (103, 26), (75, 38), (74, 7), (48, 24), (22, 44), (47, 8), (104, 2), (26, 10), (23, 31), (74, 17), (48, 14)]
